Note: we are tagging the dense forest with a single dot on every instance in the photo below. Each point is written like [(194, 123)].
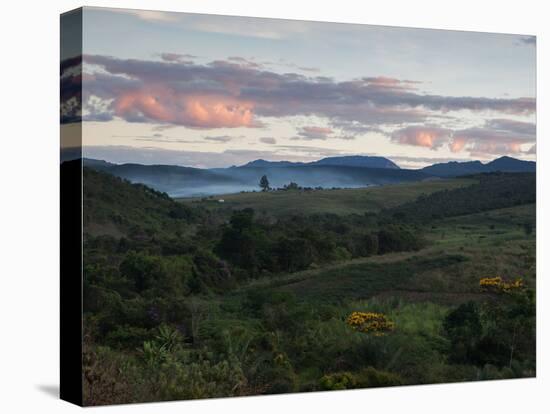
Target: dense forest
[(182, 301)]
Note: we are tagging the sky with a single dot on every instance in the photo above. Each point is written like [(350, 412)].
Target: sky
[(214, 91)]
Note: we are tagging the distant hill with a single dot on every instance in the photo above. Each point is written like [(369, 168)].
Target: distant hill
[(502, 164), (174, 180), (358, 161), (344, 161), (509, 164), (341, 172), (179, 181), (263, 163)]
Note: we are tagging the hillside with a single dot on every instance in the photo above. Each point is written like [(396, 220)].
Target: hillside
[(502, 164), (172, 179), (115, 207), (492, 191)]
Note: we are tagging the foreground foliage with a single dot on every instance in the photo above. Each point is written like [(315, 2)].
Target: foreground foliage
[(184, 303)]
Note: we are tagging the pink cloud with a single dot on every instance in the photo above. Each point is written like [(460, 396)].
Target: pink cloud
[(496, 137), (199, 111), (429, 137)]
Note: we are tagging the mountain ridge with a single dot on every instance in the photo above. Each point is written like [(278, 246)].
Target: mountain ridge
[(502, 164), (180, 181), (366, 161)]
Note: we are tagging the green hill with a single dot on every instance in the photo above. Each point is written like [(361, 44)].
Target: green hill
[(114, 206), (492, 191)]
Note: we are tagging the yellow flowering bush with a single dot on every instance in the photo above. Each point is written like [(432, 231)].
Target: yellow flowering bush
[(370, 323), (498, 284)]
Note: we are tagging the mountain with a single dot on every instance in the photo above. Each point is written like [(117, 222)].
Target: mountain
[(320, 175), (502, 164), (327, 173), (358, 161), (509, 164), (174, 180), (341, 172), (344, 161), (263, 163), (455, 168)]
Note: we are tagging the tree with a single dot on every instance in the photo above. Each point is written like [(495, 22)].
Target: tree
[(143, 270), (291, 186), (294, 254), (264, 183), (462, 326)]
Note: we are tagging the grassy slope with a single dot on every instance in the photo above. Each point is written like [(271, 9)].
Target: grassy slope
[(463, 249), (341, 201), (125, 206)]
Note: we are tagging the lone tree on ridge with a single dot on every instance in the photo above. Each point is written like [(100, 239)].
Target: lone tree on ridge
[(264, 183)]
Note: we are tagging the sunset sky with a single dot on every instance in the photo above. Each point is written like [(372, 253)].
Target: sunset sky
[(214, 91)]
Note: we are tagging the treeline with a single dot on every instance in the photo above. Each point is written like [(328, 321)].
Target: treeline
[(493, 191), (296, 243)]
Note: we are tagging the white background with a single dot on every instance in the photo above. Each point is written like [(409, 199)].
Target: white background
[(29, 235)]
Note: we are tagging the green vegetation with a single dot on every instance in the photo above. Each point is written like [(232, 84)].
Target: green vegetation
[(200, 299), (336, 201), (492, 191)]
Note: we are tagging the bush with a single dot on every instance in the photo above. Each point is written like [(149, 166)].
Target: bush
[(462, 326), (337, 381), (366, 378), (394, 238)]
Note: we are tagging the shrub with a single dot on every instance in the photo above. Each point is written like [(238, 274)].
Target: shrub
[(370, 323), (337, 381)]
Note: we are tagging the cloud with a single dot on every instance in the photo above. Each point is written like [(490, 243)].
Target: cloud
[(177, 57), (219, 138), (246, 63), (496, 137), (430, 137), (269, 29), (308, 68), (314, 132), (284, 63), (234, 93), (150, 15), (268, 140), (313, 153)]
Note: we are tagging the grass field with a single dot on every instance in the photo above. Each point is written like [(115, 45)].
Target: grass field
[(337, 201)]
